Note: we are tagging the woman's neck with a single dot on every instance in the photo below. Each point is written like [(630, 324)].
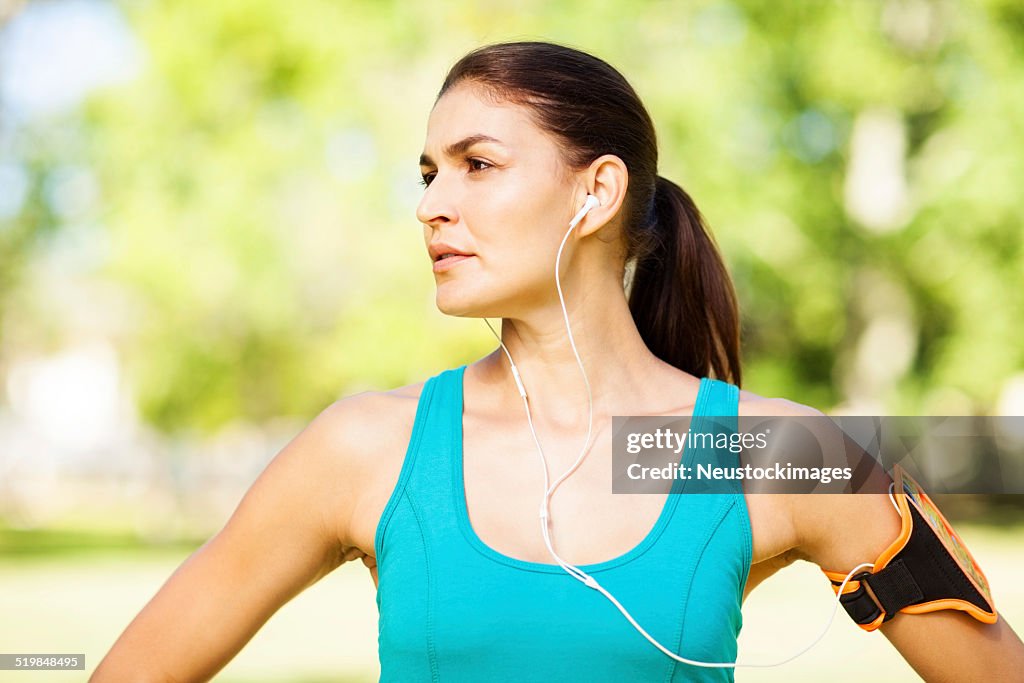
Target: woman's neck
[(617, 362)]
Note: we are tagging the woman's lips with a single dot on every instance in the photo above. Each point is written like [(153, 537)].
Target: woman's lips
[(444, 264)]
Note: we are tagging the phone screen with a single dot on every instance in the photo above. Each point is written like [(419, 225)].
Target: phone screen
[(946, 534)]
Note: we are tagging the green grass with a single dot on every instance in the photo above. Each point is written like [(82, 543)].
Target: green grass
[(40, 543), (82, 600)]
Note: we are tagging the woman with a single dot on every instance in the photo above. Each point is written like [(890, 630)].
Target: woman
[(436, 486)]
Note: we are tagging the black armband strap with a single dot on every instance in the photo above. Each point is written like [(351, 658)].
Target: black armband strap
[(926, 569)]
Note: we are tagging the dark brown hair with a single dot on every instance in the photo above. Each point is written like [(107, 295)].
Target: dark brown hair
[(681, 296)]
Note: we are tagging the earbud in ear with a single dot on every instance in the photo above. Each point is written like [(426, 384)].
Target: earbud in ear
[(589, 204)]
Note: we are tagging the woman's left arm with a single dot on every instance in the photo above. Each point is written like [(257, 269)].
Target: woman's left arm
[(839, 531)]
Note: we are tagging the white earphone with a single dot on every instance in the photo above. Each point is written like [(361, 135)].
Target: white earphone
[(545, 516), (589, 204)]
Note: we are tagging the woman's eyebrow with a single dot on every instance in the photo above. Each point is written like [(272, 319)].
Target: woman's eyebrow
[(457, 148)]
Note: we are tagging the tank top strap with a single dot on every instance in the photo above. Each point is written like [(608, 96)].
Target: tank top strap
[(714, 420), (425, 476), (439, 444), (723, 400)]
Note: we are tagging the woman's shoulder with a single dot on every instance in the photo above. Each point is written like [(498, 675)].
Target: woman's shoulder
[(752, 404), (829, 530), (362, 425), (368, 434), (774, 518)]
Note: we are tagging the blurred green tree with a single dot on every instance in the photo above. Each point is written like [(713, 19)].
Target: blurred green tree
[(858, 162)]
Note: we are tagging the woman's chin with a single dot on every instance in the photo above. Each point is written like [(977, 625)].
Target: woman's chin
[(457, 306), (465, 305)]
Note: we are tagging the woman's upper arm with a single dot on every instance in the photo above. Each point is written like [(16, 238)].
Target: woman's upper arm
[(839, 531), (288, 531)]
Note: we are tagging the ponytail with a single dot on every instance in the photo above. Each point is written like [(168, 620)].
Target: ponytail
[(681, 297)]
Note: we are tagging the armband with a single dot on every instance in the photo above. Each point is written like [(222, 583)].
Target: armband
[(926, 569)]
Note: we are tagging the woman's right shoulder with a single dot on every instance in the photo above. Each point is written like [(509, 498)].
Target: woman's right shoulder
[(366, 435), (368, 425)]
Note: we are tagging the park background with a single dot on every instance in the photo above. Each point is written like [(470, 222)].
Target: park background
[(207, 235)]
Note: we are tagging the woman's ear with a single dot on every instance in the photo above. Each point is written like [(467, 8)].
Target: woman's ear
[(607, 179)]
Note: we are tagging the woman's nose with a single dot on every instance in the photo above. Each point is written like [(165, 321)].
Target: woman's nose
[(436, 206)]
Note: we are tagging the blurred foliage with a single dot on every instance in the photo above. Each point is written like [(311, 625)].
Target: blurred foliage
[(32, 544), (258, 183)]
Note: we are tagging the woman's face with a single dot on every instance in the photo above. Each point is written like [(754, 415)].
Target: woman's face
[(497, 193)]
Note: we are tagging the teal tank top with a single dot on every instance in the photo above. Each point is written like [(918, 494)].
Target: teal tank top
[(453, 609)]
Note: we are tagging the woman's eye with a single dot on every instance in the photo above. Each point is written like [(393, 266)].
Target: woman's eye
[(474, 165)]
